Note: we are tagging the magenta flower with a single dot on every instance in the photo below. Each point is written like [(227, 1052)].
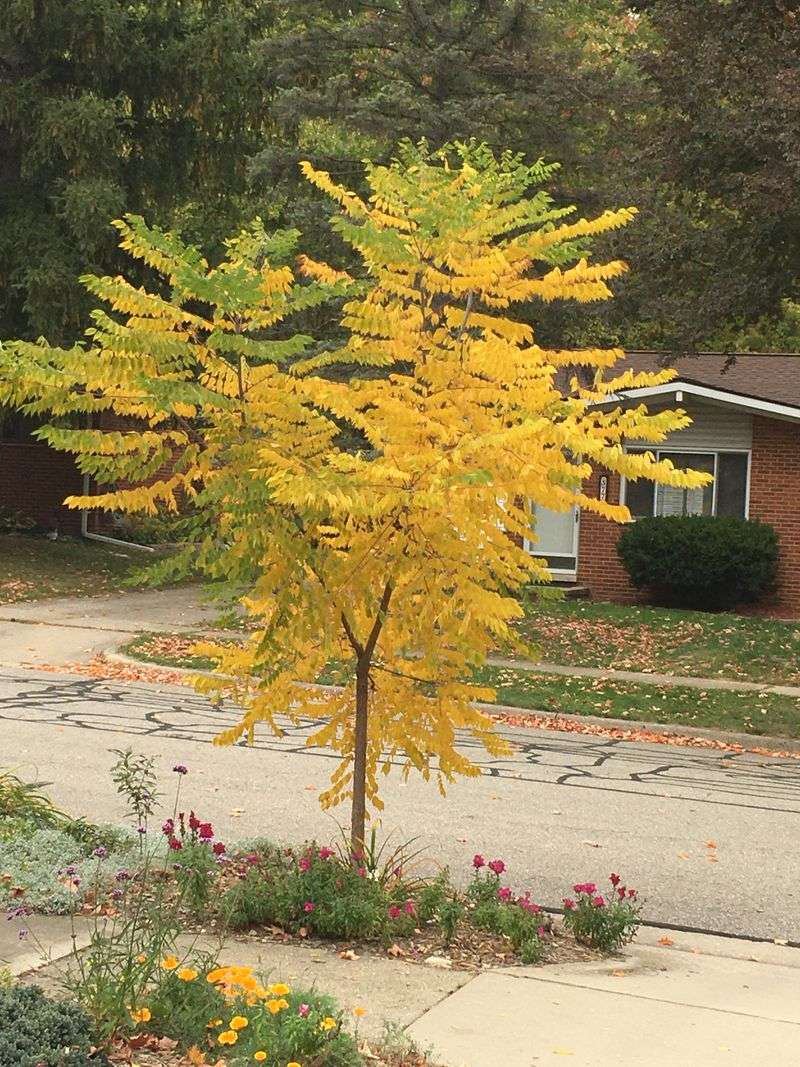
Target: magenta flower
[(326, 853), (631, 894), (304, 864), (541, 931), (309, 906), (303, 1010), (194, 822), (205, 831), (409, 907), (504, 893), (179, 768), (615, 880), (394, 912), (218, 848), (589, 888), (599, 901), (497, 867), (478, 861), (362, 872), (168, 828), (175, 844), (569, 904), (100, 852)]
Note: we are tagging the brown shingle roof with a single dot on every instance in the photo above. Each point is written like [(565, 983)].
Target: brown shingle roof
[(767, 376)]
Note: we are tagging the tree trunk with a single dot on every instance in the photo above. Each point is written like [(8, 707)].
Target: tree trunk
[(359, 809)]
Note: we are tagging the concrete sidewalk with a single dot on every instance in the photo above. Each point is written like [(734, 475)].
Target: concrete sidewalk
[(699, 1000), (703, 1001), (688, 681)]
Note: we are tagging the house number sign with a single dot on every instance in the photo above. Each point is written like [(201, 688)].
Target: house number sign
[(603, 491)]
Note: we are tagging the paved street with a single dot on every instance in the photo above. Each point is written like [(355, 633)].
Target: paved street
[(563, 807)]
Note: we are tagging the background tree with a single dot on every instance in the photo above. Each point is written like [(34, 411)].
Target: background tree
[(109, 106), (398, 560)]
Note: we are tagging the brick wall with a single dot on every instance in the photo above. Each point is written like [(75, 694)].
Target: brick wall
[(34, 480), (599, 566), (775, 498)]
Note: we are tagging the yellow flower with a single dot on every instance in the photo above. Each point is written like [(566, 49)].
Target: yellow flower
[(327, 1023), (279, 990), (359, 1012), (217, 975), (277, 1005), (260, 1056), (294, 1063), (228, 1037), (239, 1022), (169, 963), (187, 974), (141, 1016), (212, 1023)]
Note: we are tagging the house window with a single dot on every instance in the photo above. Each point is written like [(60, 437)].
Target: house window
[(726, 495)]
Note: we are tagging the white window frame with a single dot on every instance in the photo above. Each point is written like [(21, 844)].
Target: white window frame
[(713, 452)]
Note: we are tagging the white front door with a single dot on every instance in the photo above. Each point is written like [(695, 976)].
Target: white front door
[(556, 540)]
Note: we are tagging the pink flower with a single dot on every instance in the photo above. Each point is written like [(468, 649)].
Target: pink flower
[(309, 906), (598, 901), (631, 894), (589, 888), (478, 861), (194, 822), (569, 904), (615, 880), (325, 853), (497, 867), (362, 872), (218, 848), (168, 828), (205, 831), (541, 931), (394, 912), (304, 864), (175, 844), (251, 858), (409, 907), (504, 893), (621, 892), (303, 1010)]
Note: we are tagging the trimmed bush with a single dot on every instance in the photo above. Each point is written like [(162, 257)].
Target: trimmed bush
[(38, 1032), (698, 561)]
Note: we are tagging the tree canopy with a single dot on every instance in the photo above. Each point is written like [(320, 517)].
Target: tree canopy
[(395, 562)]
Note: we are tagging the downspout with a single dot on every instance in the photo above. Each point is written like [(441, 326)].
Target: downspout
[(102, 537)]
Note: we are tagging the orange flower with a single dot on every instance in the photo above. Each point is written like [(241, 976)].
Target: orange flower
[(187, 974), (359, 1012), (260, 1056), (169, 963), (239, 1022), (141, 958), (141, 1016), (228, 1037), (277, 1005), (213, 1023), (279, 990)]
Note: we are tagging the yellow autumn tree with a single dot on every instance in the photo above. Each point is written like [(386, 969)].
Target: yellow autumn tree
[(373, 521)]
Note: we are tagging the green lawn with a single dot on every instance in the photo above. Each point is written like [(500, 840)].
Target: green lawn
[(754, 713), (662, 640), (32, 568)]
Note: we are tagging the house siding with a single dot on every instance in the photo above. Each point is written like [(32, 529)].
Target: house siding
[(775, 498), (713, 427)]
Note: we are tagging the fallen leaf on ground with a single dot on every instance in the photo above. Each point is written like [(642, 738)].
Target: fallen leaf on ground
[(711, 844), (666, 941), (348, 954)]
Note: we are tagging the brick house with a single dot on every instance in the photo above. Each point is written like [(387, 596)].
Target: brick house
[(745, 431)]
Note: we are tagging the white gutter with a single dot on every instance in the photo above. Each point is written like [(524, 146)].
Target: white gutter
[(703, 392), (102, 537)]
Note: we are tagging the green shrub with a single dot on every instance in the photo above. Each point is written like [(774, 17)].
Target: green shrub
[(698, 561), (38, 1032)]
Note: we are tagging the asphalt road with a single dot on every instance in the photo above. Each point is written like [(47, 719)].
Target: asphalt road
[(709, 839)]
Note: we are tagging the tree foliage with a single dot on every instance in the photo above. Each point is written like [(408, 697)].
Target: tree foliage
[(399, 559), (109, 106)]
